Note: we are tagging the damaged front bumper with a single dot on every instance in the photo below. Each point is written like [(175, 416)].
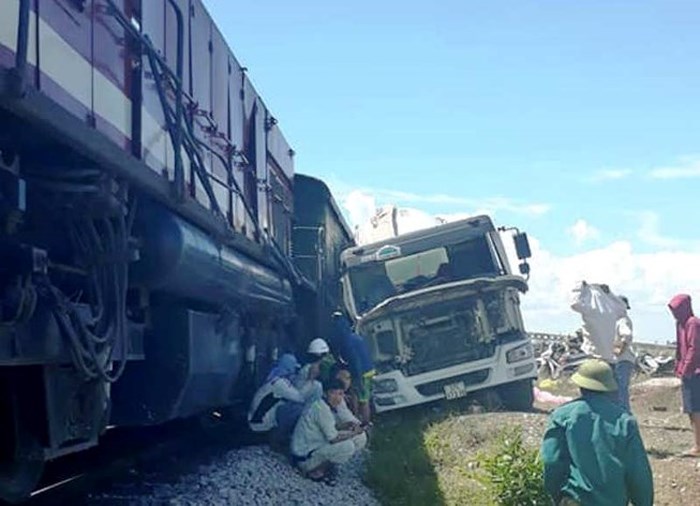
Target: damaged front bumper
[(393, 390)]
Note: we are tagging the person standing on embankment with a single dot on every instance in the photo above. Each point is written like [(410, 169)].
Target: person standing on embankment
[(592, 450), (688, 363)]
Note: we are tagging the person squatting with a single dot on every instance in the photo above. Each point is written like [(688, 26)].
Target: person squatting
[(304, 410)]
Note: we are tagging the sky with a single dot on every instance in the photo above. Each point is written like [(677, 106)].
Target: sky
[(576, 121)]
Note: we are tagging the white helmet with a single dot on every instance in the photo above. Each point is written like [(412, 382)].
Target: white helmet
[(318, 347)]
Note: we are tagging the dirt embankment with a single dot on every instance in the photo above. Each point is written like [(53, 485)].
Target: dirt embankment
[(450, 444), (666, 432)]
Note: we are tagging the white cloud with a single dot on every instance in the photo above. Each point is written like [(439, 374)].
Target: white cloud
[(649, 232), (359, 205), (610, 175), (582, 232), (687, 167), (487, 205), (648, 279)]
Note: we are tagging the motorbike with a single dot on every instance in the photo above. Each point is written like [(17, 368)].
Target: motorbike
[(560, 360), (655, 366)]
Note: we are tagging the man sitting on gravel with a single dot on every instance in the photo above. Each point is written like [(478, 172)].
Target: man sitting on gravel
[(317, 444), (592, 449), (344, 417)]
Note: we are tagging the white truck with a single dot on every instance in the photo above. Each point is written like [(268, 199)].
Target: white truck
[(440, 311)]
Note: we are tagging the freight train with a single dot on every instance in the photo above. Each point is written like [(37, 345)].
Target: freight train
[(157, 251)]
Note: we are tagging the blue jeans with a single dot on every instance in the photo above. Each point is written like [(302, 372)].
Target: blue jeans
[(623, 373)]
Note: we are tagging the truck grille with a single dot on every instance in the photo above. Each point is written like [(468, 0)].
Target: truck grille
[(437, 387), (445, 334), (435, 354)]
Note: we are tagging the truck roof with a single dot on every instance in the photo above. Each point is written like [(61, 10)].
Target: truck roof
[(420, 240)]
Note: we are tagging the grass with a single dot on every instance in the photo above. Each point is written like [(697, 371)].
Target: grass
[(451, 449), (400, 470), (431, 457), (513, 472)]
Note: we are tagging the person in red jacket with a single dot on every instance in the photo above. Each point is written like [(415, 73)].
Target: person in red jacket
[(688, 362)]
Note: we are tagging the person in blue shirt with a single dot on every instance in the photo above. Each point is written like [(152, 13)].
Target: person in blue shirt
[(353, 350)]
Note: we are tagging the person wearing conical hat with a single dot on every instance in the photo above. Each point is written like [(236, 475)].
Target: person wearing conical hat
[(592, 450)]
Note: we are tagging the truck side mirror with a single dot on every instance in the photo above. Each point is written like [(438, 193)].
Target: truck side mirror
[(522, 246), (524, 268)]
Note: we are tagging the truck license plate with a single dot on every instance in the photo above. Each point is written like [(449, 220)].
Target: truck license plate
[(455, 390)]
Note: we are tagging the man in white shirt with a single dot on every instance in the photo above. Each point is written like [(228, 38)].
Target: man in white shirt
[(600, 309), (317, 443), (344, 417), (625, 357)]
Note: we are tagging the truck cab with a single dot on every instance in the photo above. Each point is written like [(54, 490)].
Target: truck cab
[(440, 310)]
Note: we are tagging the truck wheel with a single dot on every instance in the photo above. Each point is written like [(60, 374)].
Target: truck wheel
[(517, 396), (491, 400)]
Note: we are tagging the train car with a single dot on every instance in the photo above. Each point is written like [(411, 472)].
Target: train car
[(320, 234), (146, 209)]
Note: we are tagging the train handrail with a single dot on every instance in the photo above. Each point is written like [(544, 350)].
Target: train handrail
[(152, 54), (181, 138), (319, 249), (179, 70), (20, 70), (160, 68)]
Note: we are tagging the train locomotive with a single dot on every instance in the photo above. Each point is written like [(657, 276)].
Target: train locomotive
[(157, 250)]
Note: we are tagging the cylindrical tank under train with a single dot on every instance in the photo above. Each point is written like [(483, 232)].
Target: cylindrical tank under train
[(213, 307), (180, 259), (154, 246)]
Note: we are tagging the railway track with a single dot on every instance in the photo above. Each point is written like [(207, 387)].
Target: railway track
[(130, 462)]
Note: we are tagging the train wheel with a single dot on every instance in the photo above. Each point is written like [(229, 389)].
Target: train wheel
[(21, 470)]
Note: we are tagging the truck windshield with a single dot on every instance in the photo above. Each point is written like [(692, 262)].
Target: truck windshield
[(373, 282)]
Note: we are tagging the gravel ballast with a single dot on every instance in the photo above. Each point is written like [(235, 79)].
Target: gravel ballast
[(257, 476)]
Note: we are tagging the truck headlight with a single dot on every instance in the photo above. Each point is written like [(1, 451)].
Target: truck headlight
[(385, 386), (520, 353)]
